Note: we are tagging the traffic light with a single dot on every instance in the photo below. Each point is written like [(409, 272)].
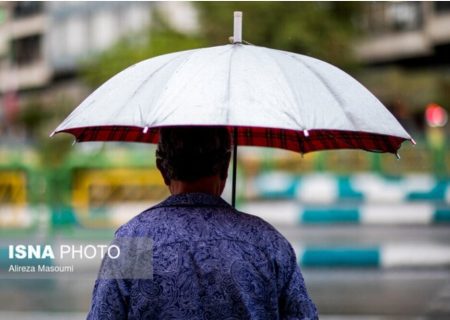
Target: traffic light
[(435, 115)]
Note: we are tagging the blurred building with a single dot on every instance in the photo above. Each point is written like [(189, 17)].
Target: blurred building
[(42, 44), (411, 34), (40, 40)]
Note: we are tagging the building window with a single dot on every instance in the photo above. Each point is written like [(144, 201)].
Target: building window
[(405, 16), (27, 8), (385, 17), (26, 50)]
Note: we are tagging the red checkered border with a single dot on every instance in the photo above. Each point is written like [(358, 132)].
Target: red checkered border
[(298, 141)]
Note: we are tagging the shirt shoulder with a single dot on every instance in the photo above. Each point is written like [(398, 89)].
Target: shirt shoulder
[(166, 224)]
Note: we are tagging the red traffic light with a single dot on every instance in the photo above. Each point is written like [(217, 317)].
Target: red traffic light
[(435, 115)]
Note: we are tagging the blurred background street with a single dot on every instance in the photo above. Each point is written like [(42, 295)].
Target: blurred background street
[(371, 232)]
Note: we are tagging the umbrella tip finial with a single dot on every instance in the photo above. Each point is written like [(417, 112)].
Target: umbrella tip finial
[(237, 30), (52, 134)]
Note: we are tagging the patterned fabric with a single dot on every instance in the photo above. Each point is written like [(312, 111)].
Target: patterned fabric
[(209, 262), (298, 141)]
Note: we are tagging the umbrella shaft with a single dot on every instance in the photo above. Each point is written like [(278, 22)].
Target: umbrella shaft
[(233, 188)]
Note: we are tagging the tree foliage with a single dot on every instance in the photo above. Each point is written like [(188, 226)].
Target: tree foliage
[(321, 29), (325, 30)]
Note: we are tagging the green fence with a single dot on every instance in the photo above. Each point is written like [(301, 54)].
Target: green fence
[(88, 180)]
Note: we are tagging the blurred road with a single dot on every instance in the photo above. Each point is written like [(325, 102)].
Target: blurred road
[(403, 294), (419, 293)]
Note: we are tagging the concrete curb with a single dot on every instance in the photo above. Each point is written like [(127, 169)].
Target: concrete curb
[(293, 213), (364, 187), (383, 257)]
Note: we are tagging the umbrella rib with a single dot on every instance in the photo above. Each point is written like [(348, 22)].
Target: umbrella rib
[(143, 83), (303, 127), (229, 84), (155, 72), (222, 52), (326, 84)]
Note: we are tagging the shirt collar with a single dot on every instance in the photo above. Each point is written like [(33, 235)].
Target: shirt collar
[(193, 199)]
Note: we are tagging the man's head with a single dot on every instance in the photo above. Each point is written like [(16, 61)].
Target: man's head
[(190, 154)]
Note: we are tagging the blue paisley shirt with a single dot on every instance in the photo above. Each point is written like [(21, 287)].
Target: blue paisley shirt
[(209, 262)]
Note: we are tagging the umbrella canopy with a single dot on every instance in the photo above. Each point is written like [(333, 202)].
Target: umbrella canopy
[(266, 97), (274, 98)]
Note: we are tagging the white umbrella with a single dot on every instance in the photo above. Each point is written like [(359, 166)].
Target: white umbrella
[(269, 97)]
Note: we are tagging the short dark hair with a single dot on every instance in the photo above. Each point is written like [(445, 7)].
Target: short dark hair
[(189, 153)]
